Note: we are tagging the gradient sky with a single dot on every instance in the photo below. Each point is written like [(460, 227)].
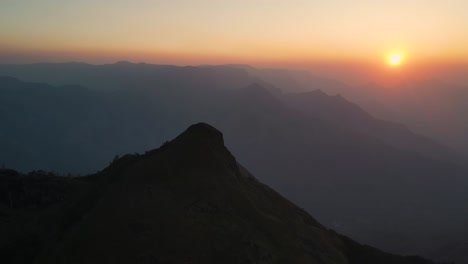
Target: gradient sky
[(237, 31)]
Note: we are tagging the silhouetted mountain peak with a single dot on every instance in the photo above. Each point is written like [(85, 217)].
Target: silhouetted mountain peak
[(199, 145), (201, 133), (200, 141)]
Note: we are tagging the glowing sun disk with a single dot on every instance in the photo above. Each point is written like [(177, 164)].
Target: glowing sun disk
[(395, 59)]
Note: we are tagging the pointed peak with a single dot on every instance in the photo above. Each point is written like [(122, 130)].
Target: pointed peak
[(202, 132), (197, 135), (205, 129)]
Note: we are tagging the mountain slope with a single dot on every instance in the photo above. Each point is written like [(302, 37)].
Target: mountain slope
[(400, 201), (340, 112), (186, 202)]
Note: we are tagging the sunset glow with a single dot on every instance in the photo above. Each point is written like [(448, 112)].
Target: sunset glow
[(308, 34), (395, 59)]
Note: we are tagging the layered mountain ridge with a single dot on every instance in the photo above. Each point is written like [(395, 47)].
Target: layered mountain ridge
[(370, 179)]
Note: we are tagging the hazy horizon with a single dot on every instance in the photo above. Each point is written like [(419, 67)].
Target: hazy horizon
[(349, 41), (270, 32), (352, 73)]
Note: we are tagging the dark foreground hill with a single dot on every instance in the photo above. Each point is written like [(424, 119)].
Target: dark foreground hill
[(186, 202)]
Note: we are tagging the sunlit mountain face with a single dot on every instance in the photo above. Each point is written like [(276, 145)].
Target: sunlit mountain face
[(353, 111)]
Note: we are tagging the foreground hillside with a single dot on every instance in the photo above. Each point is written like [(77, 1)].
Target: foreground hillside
[(186, 202)]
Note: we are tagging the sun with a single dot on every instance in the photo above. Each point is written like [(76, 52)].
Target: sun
[(395, 59)]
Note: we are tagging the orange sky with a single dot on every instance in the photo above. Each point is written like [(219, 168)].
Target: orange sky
[(297, 33)]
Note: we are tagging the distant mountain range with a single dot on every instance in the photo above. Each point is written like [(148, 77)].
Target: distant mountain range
[(373, 180), (189, 201), (435, 108)]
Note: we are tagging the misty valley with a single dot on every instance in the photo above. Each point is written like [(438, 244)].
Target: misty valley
[(131, 163)]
